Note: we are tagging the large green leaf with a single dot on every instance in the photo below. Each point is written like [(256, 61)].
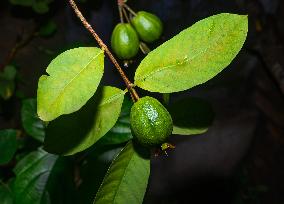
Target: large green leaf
[(32, 174), (127, 178), (8, 145), (191, 116), (193, 56), (74, 78), (31, 123), (76, 132), (121, 131)]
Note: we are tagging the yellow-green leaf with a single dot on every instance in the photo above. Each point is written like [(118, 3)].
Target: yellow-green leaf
[(193, 56), (73, 79)]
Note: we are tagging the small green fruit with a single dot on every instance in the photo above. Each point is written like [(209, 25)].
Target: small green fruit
[(124, 41), (150, 122), (148, 26)]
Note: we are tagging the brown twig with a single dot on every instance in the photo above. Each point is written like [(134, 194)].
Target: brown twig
[(16, 48), (103, 46)]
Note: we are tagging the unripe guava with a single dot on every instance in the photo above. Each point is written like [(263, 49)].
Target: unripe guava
[(150, 122), (125, 41), (148, 26)]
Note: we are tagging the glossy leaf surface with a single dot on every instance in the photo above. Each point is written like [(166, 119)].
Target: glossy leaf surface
[(30, 121), (127, 178), (193, 56), (32, 174), (73, 79), (121, 131)]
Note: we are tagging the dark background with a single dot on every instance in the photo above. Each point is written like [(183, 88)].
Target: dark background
[(241, 158)]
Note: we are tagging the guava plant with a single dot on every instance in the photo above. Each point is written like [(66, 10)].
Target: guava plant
[(71, 91)]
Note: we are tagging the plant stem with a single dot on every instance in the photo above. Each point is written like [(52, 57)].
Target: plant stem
[(120, 13), (103, 46), (129, 9), (125, 15)]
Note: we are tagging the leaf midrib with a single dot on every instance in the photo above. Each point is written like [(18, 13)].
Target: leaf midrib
[(63, 89), (33, 164), (160, 69), (122, 177), (34, 179), (112, 98), (108, 173)]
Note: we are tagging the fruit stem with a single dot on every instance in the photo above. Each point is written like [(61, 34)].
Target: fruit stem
[(125, 15), (144, 48), (120, 13), (103, 46), (129, 9)]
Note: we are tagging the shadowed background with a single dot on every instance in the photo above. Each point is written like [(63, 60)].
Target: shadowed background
[(240, 158)]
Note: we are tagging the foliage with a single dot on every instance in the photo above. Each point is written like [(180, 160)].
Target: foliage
[(193, 56), (7, 81), (48, 29), (39, 6), (30, 121), (32, 172), (75, 115), (97, 117), (73, 78), (8, 145), (129, 172)]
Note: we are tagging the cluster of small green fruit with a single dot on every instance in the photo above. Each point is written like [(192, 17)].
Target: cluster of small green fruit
[(125, 39), (151, 123)]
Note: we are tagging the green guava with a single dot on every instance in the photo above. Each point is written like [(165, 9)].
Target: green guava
[(124, 41), (148, 26), (151, 123)]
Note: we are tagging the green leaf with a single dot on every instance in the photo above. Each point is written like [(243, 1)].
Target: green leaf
[(5, 195), (193, 56), (76, 132), (93, 170), (48, 29), (121, 131), (7, 82), (31, 123), (191, 116), (127, 178), (32, 175), (9, 72), (74, 77), (8, 145)]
